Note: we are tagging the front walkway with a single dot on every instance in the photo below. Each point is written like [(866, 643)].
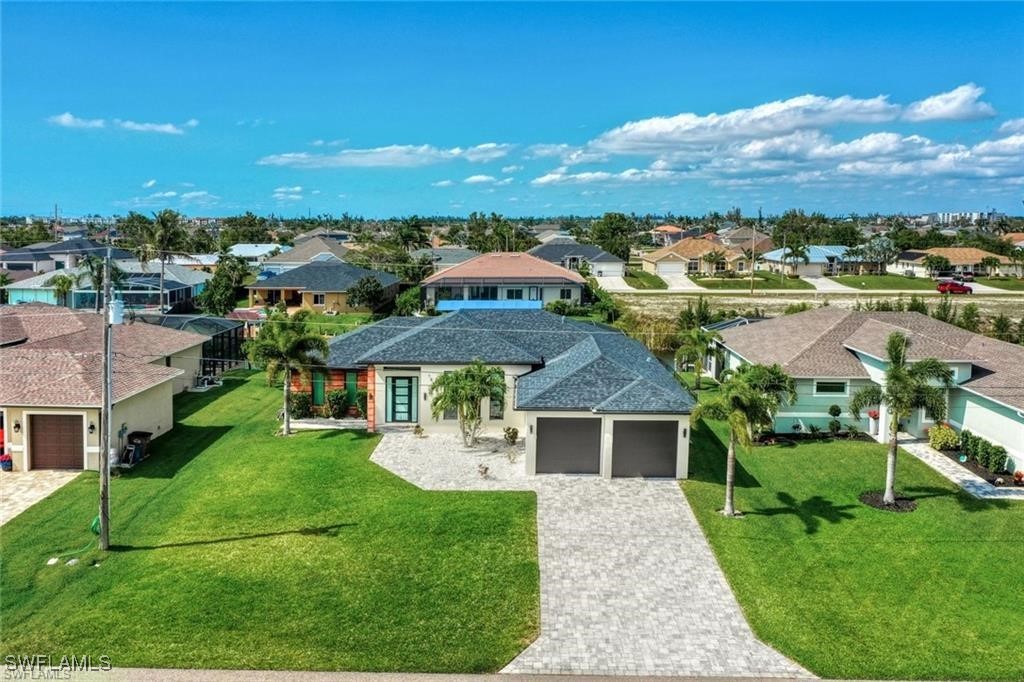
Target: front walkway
[(968, 480), (19, 490), (681, 282), (629, 584), (827, 284)]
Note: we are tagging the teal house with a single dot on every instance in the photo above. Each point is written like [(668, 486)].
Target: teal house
[(832, 352)]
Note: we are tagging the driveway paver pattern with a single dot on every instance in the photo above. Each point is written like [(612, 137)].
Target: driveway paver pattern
[(629, 584), (19, 490)]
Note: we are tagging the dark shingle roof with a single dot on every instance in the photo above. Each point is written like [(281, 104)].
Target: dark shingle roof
[(46, 250), (324, 276), (578, 366), (560, 248)]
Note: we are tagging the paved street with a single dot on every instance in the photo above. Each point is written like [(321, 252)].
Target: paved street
[(19, 490), (629, 584)]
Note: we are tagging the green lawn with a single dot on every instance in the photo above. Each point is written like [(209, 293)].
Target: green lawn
[(1011, 284), (849, 591), (639, 279), (868, 282), (239, 549), (762, 280), (332, 325)]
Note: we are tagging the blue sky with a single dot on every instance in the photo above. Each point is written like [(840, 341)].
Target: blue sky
[(526, 109)]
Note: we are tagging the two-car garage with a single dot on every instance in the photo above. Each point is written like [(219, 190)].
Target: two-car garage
[(638, 447)]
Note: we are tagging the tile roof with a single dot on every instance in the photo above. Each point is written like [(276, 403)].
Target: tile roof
[(957, 255), (172, 273), (333, 276), (825, 342), (50, 355), (307, 250), (505, 266), (691, 247), (671, 229), (46, 250), (558, 249), (578, 366)]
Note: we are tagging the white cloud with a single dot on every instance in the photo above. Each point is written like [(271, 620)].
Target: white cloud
[(289, 190), (199, 196), (560, 176), (959, 104), (505, 181), (163, 128), (69, 120), (286, 196), (149, 183), (442, 183), (163, 195), (192, 123), (511, 169), (567, 153), (479, 179), (391, 156), (1014, 125)]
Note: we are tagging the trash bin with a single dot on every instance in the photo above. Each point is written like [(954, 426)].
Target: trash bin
[(140, 439)]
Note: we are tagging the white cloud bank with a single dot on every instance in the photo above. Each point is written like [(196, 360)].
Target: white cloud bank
[(959, 104), (69, 120), (391, 156)]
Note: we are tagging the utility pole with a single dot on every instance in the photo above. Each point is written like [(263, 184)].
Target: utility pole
[(108, 402)]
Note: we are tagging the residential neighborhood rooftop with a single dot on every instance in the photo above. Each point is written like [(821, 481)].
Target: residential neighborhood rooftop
[(327, 276), (558, 248), (314, 248), (522, 267)]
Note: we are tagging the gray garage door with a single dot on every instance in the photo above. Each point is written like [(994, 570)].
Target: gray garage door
[(671, 268), (568, 445), (644, 448)]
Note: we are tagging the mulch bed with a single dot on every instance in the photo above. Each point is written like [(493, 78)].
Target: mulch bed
[(874, 499), (981, 471)]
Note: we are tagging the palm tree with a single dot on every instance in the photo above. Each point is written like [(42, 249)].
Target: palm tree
[(907, 387), (286, 346), (936, 263), (795, 253), (714, 259), (92, 269), (464, 391), (63, 284), (411, 234), (695, 347), (158, 239), (991, 264), (747, 400)]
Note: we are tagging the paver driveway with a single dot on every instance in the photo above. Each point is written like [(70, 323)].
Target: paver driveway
[(629, 584), (19, 490)]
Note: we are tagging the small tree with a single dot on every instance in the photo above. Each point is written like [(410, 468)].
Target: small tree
[(970, 318), (408, 302), (695, 347), (464, 391), (286, 346), (63, 284), (908, 386), (935, 263), (714, 259), (367, 292), (991, 264)]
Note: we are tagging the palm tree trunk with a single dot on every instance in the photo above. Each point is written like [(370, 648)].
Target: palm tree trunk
[(890, 462), (287, 402), (696, 372), (730, 475)]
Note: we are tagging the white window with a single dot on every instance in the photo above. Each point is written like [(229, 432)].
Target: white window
[(830, 388), (534, 293), (319, 299)]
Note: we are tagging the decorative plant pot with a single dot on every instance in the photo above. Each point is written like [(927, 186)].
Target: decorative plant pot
[(6, 465)]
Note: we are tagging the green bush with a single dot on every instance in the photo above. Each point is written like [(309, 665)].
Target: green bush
[(997, 459), (301, 406), (852, 431), (967, 443), (567, 308), (511, 435), (981, 449), (834, 427), (337, 403), (361, 398), (834, 411), (942, 437)]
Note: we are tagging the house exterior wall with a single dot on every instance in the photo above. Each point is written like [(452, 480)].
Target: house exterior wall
[(546, 294), (189, 361), (426, 375), (152, 411), (990, 420), (335, 379), (608, 436), (15, 296), (607, 269), (812, 409), (336, 301)]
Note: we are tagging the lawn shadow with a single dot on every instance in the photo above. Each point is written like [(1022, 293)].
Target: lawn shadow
[(707, 459), (328, 531), (811, 511), (967, 502), (165, 461), (186, 404), (357, 434)]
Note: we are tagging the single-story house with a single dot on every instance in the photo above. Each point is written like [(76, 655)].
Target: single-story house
[(255, 254), (330, 233), (743, 237), (319, 285), (1015, 238), (666, 234), (686, 257), (502, 280), (207, 262), (50, 256), (832, 352), (825, 260), (139, 288), (570, 254), (587, 398), (307, 251), (961, 259), (51, 393), (443, 257), (222, 349)]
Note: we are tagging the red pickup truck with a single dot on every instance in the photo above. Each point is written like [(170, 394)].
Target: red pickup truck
[(953, 288)]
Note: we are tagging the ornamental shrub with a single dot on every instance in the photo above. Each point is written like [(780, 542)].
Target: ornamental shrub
[(511, 435), (361, 399), (981, 452), (997, 459), (834, 427), (942, 437), (834, 411), (967, 443), (337, 403), (301, 406)]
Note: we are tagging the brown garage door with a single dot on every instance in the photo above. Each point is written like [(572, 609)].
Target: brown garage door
[(568, 445), (56, 441), (644, 448)]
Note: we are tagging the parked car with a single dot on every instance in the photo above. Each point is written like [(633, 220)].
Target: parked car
[(963, 277), (951, 287)]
